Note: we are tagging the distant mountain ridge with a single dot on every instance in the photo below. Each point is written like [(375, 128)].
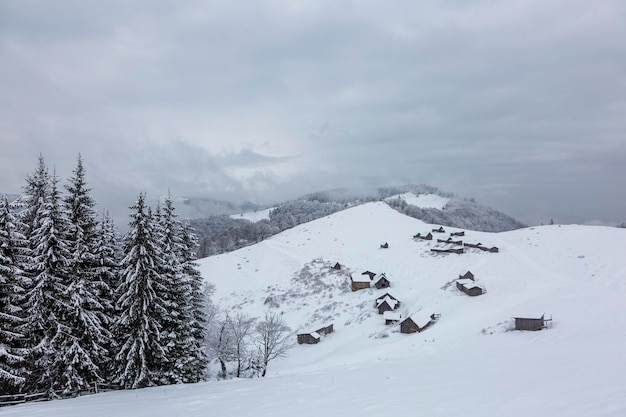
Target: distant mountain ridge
[(221, 233)]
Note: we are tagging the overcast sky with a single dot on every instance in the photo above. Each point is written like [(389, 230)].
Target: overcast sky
[(520, 104)]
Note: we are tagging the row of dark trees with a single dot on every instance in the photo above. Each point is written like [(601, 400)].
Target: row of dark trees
[(79, 306)]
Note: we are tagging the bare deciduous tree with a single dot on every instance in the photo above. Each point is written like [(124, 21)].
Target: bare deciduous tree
[(240, 327), (272, 338)]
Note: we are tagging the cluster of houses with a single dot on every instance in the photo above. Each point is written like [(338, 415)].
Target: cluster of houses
[(387, 304), (450, 241)]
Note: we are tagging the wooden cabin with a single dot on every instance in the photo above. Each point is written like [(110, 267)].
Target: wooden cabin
[(462, 233), (417, 322), (429, 236), (474, 245), (387, 304), (381, 281), (469, 287), (460, 251), (391, 317), (522, 323), (467, 275), (370, 274), (360, 283), (384, 246), (440, 230), (492, 249), (308, 338), (337, 266), (323, 331)]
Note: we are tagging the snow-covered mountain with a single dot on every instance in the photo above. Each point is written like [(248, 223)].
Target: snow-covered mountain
[(468, 363)]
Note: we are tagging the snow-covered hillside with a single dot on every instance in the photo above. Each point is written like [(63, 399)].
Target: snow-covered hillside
[(467, 364), (423, 200)]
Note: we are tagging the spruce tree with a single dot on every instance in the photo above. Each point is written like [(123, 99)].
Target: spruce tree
[(12, 281), (86, 319), (197, 350), (46, 297), (140, 303)]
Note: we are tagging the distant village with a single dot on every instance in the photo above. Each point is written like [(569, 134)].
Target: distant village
[(387, 305)]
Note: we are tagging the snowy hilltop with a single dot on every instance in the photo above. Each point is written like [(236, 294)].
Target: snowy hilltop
[(467, 361)]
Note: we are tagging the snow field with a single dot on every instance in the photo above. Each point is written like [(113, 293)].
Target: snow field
[(466, 364)]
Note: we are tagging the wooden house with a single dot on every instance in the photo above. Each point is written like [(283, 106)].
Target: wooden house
[(381, 281), (391, 317), (522, 323), (429, 236), (323, 331), (474, 245), (387, 304), (493, 249), (386, 295), (370, 274), (417, 322), (360, 283), (308, 338), (469, 287), (467, 275), (384, 246), (337, 266), (462, 233), (440, 230)]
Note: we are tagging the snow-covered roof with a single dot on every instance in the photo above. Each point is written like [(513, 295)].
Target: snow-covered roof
[(392, 303), (465, 281), (316, 335), (422, 317), (360, 278), (391, 315), (380, 276)]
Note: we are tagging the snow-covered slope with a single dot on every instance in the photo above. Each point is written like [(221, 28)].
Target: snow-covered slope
[(466, 364), (423, 200)]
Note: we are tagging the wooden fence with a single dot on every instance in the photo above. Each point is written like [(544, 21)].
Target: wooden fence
[(95, 388)]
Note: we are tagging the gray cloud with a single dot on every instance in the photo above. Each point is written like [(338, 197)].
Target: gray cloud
[(519, 104)]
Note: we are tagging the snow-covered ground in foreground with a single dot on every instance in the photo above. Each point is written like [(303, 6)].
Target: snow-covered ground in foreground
[(466, 364), (253, 216), (423, 200)]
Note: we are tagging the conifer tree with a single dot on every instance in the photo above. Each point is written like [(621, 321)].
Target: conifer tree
[(140, 303), (49, 272), (81, 347), (12, 281), (198, 304)]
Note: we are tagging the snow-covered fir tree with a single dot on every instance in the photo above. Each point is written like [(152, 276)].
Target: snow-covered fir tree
[(108, 255), (49, 271), (197, 350), (84, 348), (12, 282), (140, 303), (176, 326)]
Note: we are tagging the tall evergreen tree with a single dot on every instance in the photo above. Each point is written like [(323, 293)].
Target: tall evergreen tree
[(108, 255), (141, 305), (83, 345), (12, 282), (198, 304), (177, 326), (49, 272)]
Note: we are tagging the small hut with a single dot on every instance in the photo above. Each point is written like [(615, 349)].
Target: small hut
[(384, 246), (360, 283), (469, 287), (370, 274), (417, 322), (387, 304), (467, 275), (440, 230), (462, 233), (429, 236), (391, 317), (325, 330), (522, 323), (337, 266), (308, 338), (493, 249), (381, 281)]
